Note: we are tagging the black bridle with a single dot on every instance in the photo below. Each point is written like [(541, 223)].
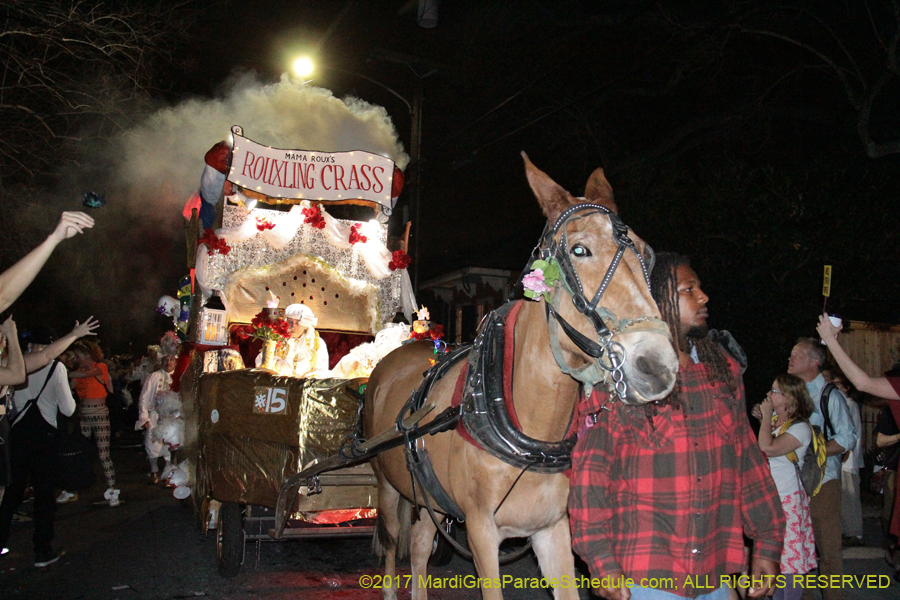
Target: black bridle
[(608, 353)]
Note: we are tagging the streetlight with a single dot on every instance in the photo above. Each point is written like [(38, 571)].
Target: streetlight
[(303, 67)]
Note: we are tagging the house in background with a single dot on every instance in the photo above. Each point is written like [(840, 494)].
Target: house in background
[(459, 300)]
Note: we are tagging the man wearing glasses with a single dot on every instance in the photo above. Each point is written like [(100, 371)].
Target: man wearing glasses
[(806, 362)]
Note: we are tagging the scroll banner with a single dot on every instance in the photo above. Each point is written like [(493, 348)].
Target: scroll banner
[(310, 175)]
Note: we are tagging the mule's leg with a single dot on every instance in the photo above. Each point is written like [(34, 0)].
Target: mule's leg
[(484, 542), (388, 502), (421, 544), (553, 548)]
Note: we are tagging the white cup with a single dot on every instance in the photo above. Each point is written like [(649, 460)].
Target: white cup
[(836, 321)]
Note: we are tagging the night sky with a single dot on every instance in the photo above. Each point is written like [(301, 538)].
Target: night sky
[(733, 132)]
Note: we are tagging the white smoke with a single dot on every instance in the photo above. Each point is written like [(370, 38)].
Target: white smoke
[(165, 152), (136, 252)]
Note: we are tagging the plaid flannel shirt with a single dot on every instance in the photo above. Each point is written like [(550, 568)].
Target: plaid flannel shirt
[(673, 501)]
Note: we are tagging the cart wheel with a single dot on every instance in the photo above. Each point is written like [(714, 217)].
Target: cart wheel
[(230, 539), (441, 549)]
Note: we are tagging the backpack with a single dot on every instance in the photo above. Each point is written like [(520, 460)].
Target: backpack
[(812, 473)]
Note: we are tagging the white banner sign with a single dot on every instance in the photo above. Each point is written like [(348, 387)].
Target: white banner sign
[(311, 175)]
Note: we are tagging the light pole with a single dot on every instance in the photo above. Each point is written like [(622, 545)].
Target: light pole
[(304, 67)]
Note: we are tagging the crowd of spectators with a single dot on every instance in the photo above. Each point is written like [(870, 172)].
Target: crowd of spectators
[(675, 490), (51, 383), (45, 382)]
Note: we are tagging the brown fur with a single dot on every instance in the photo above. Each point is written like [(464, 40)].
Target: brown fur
[(599, 191), (544, 399), (383, 541)]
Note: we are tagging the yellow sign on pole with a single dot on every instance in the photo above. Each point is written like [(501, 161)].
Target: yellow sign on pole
[(826, 284)]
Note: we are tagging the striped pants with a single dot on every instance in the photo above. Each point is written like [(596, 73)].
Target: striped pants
[(95, 420)]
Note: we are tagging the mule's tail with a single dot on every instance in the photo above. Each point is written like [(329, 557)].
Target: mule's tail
[(383, 540)]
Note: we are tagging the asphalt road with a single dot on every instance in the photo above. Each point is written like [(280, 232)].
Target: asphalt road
[(151, 547)]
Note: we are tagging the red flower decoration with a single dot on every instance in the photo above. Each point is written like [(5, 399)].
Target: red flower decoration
[(356, 236), (213, 243), (313, 216), (243, 332), (262, 327), (399, 260), (262, 223)]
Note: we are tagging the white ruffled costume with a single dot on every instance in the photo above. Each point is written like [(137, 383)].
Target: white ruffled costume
[(361, 360), (156, 385)]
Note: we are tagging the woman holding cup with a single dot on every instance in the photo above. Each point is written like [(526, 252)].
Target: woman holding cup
[(835, 322), (882, 387), (785, 429)]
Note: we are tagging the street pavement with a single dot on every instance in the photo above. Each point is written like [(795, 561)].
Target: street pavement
[(151, 548)]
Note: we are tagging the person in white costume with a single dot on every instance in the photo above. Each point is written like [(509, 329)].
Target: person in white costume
[(361, 360), (305, 354), (156, 384)]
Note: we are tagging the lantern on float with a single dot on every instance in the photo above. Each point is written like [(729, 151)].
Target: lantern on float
[(212, 328)]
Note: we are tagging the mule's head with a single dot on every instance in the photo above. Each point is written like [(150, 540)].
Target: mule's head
[(585, 242)]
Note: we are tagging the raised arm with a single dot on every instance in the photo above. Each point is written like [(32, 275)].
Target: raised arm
[(14, 280), (35, 361), (773, 446), (14, 371), (877, 386)]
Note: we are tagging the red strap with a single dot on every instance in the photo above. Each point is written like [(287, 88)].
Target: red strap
[(509, 349), (457, 400)]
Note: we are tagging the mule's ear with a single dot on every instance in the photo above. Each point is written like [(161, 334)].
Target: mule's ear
[(598, 191), (552, 198)]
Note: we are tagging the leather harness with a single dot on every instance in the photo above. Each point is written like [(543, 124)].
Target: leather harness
[(483, 412)]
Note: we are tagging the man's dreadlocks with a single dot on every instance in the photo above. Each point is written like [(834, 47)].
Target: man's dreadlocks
[(664, 289)]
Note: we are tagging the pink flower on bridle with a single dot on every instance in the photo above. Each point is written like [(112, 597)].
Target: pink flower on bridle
[(534, 282)]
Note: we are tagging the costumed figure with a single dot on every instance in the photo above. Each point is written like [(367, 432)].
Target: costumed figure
[(148, 365), (169, 344), (304, 354), (361, 360), (155, 388)]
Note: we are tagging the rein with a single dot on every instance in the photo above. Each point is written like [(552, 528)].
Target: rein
[(609, 355)]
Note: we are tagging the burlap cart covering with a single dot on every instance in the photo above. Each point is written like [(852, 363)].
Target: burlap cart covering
[(257, 429)]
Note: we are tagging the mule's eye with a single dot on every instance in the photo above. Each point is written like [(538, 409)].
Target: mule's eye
[(580, 251)]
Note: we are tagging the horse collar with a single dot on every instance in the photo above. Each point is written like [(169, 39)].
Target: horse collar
[(484, 414)]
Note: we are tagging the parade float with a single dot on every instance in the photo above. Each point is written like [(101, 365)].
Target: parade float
[(260, 237)]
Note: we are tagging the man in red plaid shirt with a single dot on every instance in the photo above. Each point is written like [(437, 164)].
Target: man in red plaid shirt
[(663, 494)]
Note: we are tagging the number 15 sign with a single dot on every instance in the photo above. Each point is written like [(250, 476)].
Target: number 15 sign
[(270, 400)]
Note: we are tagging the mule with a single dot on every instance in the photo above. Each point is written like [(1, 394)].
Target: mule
[(543, 397)]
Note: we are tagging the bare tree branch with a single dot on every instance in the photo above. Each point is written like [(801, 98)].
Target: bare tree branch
[(861, 97), (66, 62), (839, 71)]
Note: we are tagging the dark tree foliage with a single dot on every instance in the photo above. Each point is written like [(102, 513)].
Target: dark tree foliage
[(73, 71), (760, 138), (75, 74)]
